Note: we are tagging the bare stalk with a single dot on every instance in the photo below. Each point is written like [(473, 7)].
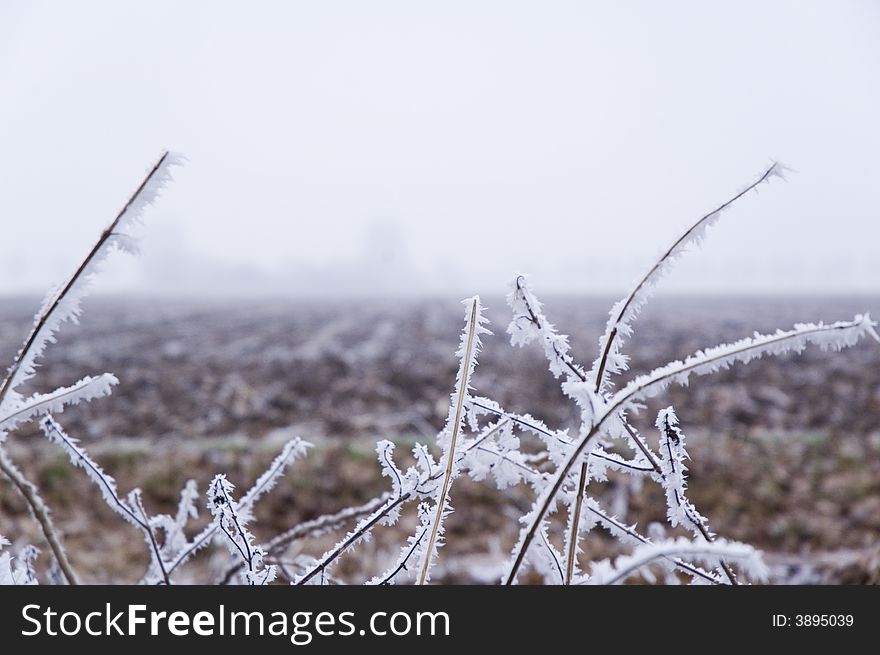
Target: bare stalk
[(575, 523), (456, 427), (31, 495)]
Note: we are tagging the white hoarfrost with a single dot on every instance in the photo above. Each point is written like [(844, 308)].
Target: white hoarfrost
[(81, 459), (232, 524), (835, 336), (449, 439), (680, 511), (54, 402)]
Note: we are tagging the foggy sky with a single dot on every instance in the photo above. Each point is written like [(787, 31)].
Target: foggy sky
[(401, 147)]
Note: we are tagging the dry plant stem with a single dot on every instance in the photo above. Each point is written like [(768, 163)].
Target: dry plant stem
[(192, 547), (555, 487), (450, 460), (624, 573), (724, 565), (602, 363), (247, 554), (575, 523), (51, 307), (685, 566), (647, 452), (208, 533), (574, 535), (29, 492), (533, 317)]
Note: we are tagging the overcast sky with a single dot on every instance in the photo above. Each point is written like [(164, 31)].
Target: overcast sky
[(414, 147)]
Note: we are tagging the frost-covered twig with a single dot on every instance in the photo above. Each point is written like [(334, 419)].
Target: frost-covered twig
[(158, 568), (624, 312), (86, 389), (574, 529), (834, 336), (78, 457), (231, 522), (557, 442), (549, 561), (467, 353), (626, 534), (293, 450), (64, 303), (38, 508), (749, 559), (528, 324), (680, 510)]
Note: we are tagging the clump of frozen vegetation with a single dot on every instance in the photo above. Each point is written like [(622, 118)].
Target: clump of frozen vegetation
[(480, 440)]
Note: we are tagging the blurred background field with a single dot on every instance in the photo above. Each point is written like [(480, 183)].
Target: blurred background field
[(786, 451)]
